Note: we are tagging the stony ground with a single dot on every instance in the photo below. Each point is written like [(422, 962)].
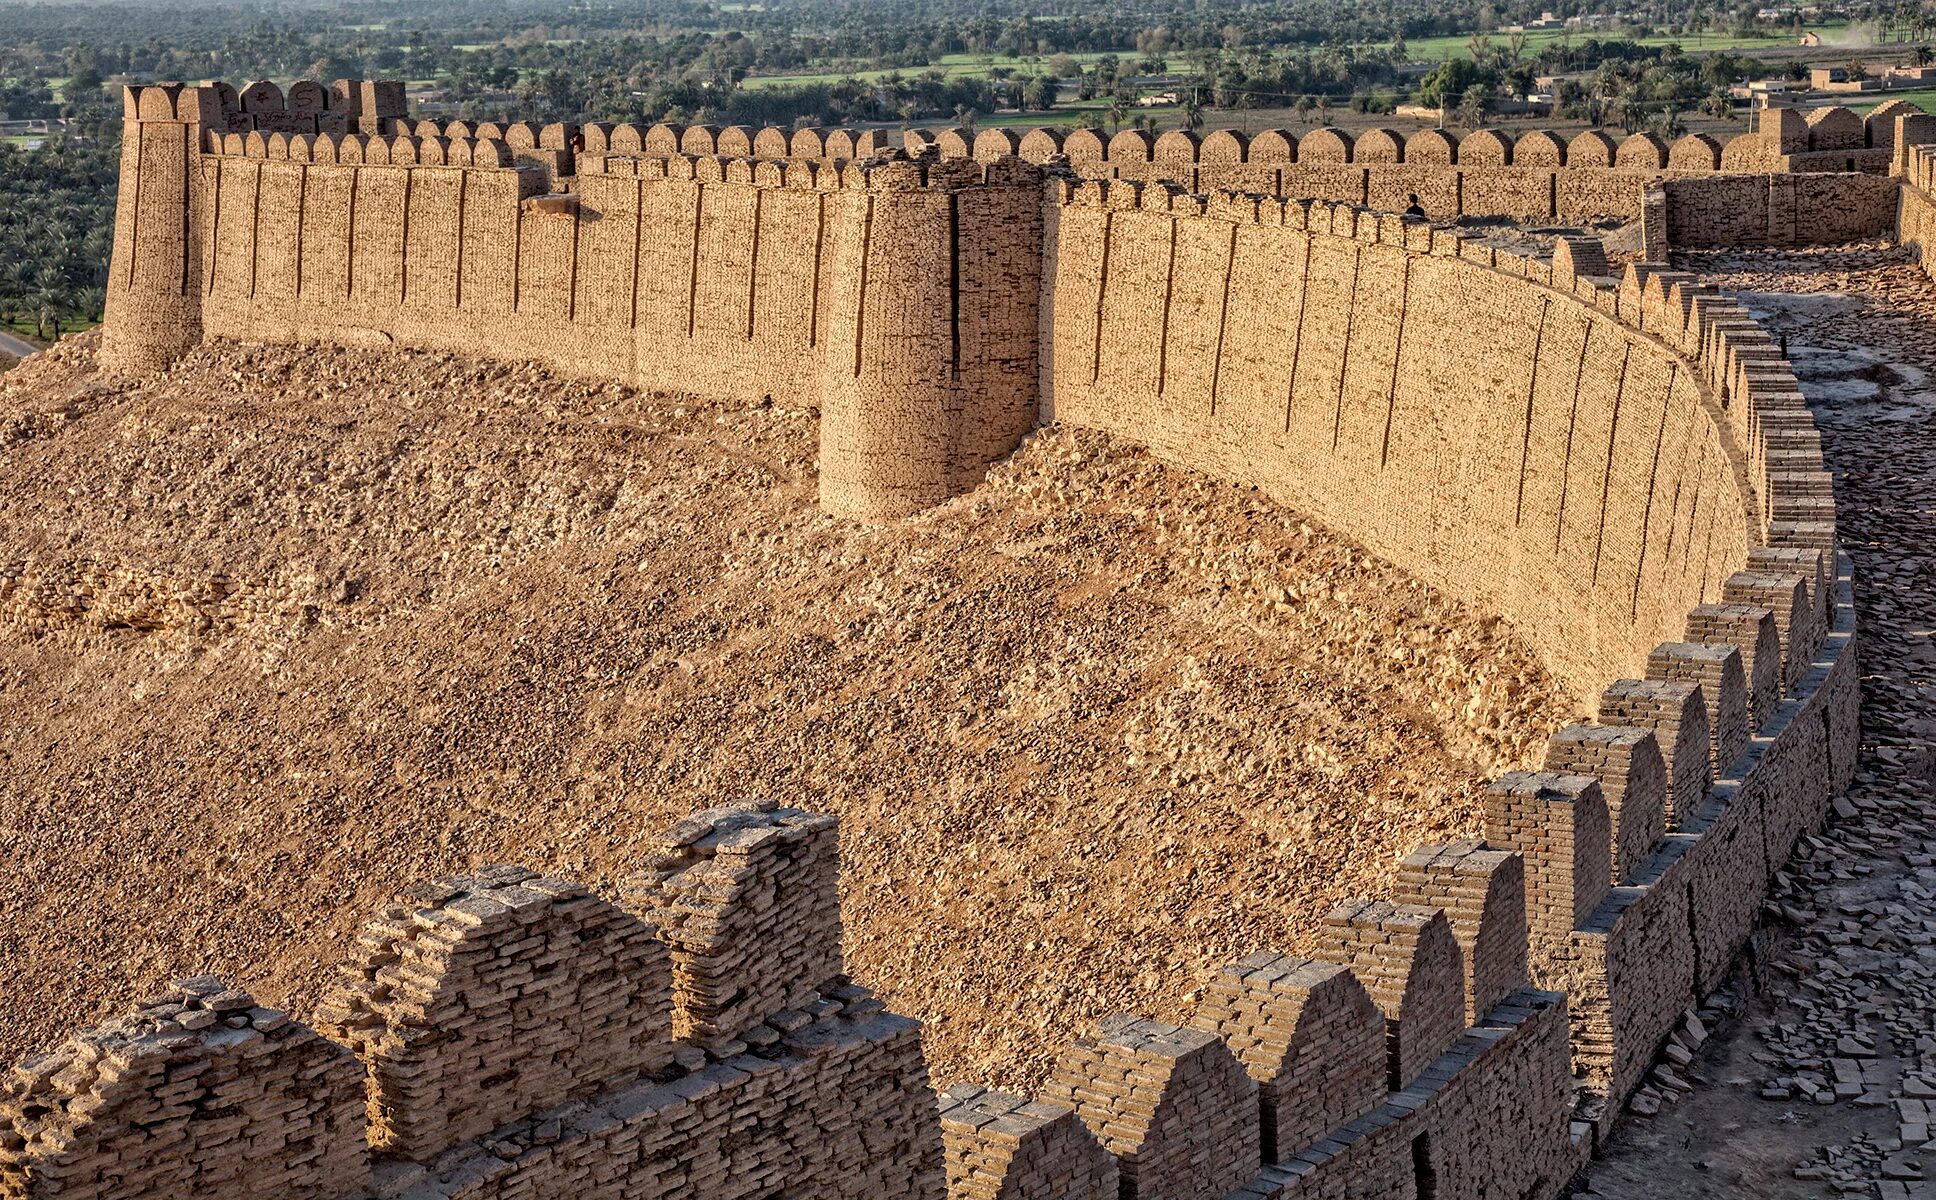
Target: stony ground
[(288, 629), (1822, 1081)]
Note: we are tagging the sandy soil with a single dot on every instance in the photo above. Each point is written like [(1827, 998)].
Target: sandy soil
[(289, 628)]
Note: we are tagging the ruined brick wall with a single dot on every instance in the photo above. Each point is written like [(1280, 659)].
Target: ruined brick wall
[(502, 1035), (1915, 167)]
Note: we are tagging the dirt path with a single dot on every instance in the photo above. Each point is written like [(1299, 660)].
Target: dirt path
[(1824, 1083)]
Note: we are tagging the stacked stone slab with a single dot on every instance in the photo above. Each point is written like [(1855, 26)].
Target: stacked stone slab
[(838, 1105), (1004, 1147), (1716, 668), (200, 1093), (1676, 714), (1308, 1034), (1410, 964), (1797, 628), (492, 995), (1633, 781), (1751, 629), (1559, 823), (749, 901), (1482, 892), (1172, 1104)]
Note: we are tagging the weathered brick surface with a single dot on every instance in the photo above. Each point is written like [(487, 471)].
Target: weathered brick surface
[(1411, 966), (1171, 1104), (200, 1093), (1633, 781), (1006, 1147), (1716, 668), (492, 995), (1482, 892), (748, 899), (1310, 1036), (1676, 714)]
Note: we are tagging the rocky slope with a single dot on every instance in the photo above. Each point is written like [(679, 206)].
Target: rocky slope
[(289, 628)]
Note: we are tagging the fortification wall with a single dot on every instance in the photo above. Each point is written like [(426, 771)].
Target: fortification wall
[(1513, 443), (1537, 177), (1915, 167), (1623, 467), (898, 297)]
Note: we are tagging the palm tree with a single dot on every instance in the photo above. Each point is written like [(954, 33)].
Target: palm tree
[(1192, 114)]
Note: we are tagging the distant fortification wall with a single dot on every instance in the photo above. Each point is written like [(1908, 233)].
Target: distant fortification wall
[(1622, 466), (899, 298)]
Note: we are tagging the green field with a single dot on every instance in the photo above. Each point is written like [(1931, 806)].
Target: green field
[(954, 65), (1457, 45), (1923, 98)]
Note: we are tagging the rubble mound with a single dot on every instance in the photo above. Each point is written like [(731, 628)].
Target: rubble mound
[(286, 629)]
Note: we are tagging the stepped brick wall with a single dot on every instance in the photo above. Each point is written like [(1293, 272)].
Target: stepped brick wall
[(1622, 465)]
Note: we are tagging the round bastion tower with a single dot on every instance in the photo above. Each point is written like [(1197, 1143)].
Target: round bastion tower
[(154, 284), (930, 374)]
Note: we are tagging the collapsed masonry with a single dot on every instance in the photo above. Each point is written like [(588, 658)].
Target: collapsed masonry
[(1639, 485)]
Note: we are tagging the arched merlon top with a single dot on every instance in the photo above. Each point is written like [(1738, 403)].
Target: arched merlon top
[(1564, 451)]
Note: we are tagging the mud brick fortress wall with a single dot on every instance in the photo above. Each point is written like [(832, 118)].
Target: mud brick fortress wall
[(1622, 465)]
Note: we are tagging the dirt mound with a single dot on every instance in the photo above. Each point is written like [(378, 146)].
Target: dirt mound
[(289, 628)]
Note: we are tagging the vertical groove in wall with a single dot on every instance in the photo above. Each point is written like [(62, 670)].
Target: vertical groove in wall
[(1163, 333), (1526, 433), (1223, 318), (403, 272), (1398, 352), (214, 230), (571, 271), (638, 238), (1707, 542), (954, 284), (753, 260), (188, 192), (1344, 357), (1297, 341), (302, 210), (1693, 515), (349, 239), (134, 219), (1606, 474), (819, 246), (1572, 419), (1102, 289), (255, 227), (692, 266), (1653, 480), (463, 219), (1688, 444), (517, 254), (860, 297)]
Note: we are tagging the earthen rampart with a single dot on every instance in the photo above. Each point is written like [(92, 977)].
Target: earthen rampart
[(1621, 465)]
